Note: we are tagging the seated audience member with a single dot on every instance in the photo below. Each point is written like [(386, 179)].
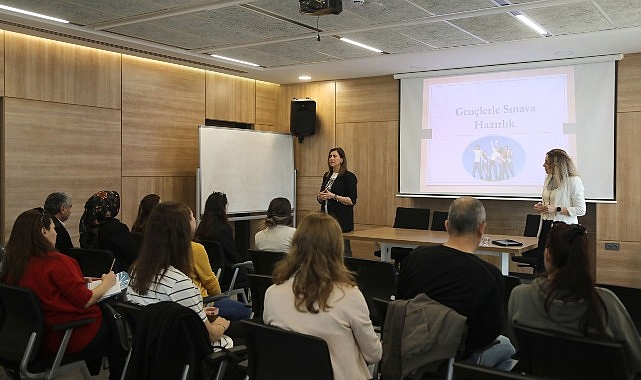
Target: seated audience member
[(144, 209), (567, 300), (31, 261), (277, 234), (315, 294), (58, 205), (161, 271), (215, 226), (99, 229), (454, 276)]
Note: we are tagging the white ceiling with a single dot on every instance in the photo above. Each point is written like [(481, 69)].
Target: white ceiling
[(416, 35)]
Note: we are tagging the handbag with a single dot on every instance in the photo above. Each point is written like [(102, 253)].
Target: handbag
[(120, 329)]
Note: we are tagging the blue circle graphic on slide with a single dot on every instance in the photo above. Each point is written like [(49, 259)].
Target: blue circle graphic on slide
[(494, 158)]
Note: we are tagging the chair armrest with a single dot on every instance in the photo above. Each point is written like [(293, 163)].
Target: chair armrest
[(236, 354), (73, 324), (244, 264)]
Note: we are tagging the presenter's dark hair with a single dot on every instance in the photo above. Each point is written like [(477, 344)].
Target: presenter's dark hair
[(571, 279), (147, 203), (341, 154), (213, 214), (167, 243), (26, 240), (279, 212)]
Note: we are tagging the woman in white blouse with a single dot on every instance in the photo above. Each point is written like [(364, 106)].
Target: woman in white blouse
[(315, 294), (277, 235)]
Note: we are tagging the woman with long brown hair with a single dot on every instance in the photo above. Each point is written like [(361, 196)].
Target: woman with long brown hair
[(315, 294), (161, 272), (568, 302), (31, 261)]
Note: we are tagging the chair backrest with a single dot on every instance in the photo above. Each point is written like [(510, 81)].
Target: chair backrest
[(20, 317), (438, 220), (267, 347), (467, 371), (258, 285), (93, 262), (511, 282), (630, 298), (216, 256), (532, 222), (375, 279), (551, 354), (264, 261), (412, 218)]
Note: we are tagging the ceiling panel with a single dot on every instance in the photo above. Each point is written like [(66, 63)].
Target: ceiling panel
[(273, 34)]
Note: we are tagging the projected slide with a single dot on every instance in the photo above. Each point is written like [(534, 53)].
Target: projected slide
[(492, 130)]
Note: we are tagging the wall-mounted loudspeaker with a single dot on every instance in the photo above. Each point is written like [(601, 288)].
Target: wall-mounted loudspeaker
[(302, 118)]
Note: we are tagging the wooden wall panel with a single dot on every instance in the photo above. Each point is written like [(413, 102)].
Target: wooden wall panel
[(616, 222), (163, 104), (311, 155), (231, 98), (2, 74), (367, 99), (619, 267), (629, 83), (372, 154), (57, 147), (40, 69), (306, 190), (177, 189), (267, 95)]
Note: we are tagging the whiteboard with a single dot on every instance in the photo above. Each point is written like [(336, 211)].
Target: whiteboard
[(251, 167)]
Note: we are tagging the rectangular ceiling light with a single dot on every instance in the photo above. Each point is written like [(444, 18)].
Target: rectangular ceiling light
[(360, 45), (235, 60), (18, 10), (531, 24)]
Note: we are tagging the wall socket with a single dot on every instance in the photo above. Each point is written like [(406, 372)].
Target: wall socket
[(612, 246)]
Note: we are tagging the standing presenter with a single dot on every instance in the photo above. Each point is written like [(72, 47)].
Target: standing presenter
[(337, 194), (563, 198)]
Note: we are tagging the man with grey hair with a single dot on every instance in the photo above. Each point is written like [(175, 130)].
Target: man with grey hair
[(454, 276), (58, 205)]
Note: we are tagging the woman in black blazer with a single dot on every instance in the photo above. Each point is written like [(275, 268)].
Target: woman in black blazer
[(337, 194)]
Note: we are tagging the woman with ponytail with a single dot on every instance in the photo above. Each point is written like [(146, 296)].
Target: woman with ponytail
[(568, 302), (277, 234)]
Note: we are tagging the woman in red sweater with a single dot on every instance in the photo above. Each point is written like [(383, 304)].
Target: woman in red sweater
[(31, 261)]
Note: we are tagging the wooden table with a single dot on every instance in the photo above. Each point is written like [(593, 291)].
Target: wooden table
[(389, 237)]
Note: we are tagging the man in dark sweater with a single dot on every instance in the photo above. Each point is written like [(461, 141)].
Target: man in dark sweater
[(452, 275)]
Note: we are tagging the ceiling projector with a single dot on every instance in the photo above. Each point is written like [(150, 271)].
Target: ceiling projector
[(320, 7)]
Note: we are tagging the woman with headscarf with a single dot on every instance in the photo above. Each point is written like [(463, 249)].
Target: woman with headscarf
[(99, 229)]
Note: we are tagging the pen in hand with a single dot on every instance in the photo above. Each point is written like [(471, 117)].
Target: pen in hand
[(112, 265)]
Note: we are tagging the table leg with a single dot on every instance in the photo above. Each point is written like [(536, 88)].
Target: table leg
[(386, 252), (505, 263)]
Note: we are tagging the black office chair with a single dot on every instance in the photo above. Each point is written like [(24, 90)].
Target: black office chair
[(467, 371), (560, 356), (264, 261), (375, 279), (307, 357), (526, 259), (410, 218), (217, 261), (630, 298), (189, 339), (22, 331), (438, 220), (93, 262), (258, 285)]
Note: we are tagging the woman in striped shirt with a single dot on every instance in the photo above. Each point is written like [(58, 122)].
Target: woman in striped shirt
[(161, 271)]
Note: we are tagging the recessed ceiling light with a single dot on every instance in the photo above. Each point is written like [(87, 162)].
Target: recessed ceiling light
[(360, 45), (531, 24), (304, 77), (18, 10), (235, 60)]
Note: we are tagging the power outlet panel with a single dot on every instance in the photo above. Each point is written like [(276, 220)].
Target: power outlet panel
[(612, 246)]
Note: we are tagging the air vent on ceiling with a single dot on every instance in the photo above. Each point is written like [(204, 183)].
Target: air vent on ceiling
[(321, 7)]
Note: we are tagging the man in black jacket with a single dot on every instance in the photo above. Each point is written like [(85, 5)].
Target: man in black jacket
[(454, 276), (58, 205)]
